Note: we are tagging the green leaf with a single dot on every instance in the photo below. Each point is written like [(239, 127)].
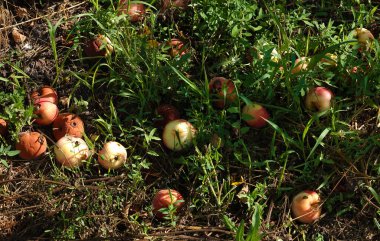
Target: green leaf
[(240, 232), (319, 141), (4, 162), (235, 31)]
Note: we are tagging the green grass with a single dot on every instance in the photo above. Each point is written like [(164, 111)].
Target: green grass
[(244, 184)]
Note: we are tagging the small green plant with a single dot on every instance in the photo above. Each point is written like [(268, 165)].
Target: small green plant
[(5, 153)]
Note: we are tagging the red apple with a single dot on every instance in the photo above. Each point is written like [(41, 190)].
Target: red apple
[(167, 4), (31, 145), (305, 206), (113, 155), (71, 151), (135, 11), (224, 91), (258, 115), (3, 127), (46, 112), (319, 99), (177, 47), (168, 112), (100, 46), (178, 134), (45, 93), (300, 64), (68, 124), (164, 198)]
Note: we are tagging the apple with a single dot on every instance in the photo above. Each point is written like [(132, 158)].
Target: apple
[(164, 198), (224, 91), (331, 59), (319, 99), (300, 64), (364, 37), (68, 124), (135, 11), (71, 151), (3, 127), (98, 47), (31, 145), (168, 112), (258, 115), (46, 112), (167, 4), (178, 134), (305, 206), (177, 47), (113, 155), (45, 93)]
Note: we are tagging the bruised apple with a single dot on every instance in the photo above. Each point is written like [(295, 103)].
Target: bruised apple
[(319, 99), (178, 134), (164, 198), (113, 155), (177, 47), (222, 90), (68, 124), (46, 112), (71, 151), (3, 127), (31, 145), (45, 93), (168, 112), (98, 47), (257, 115), (135, 11), (305, 206), (300, 64)]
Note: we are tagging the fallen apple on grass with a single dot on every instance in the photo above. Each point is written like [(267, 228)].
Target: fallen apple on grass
[(168, 4), (222, 91), (319, 99), (31, 145), (68, 124), (168, 113), (101, 46), (364, 37), (163, 199), (178, 134), (113, 155), (46, 112), (136, 11), (330, 59), (306, 206), (71, 151), (177, 47), (45, 93), (257, 115), (300, 64), (3, 127)]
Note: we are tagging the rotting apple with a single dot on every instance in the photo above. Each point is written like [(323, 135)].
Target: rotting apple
[(68, 124), (31, 145), (71, 151), (113, 155), (306, 206), (136, 11), (319, 99), (364, 37), (100, 46), (168, 4), (3, 127), (177, 47), (178, 134), (45, 93), (258, 115), (223, 90), (46, 112), (164, 198), (300, 64), (168, 112)]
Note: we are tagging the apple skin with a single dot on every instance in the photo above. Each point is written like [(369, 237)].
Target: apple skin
[(364, 36), (93, 48), (31, 145), (305, 206), (3, 127), (46, 112), (113, 155), (45, 93), (319, 99), (136, 11), (178, 134), (258, 113), (177, 47), (68, 124), (167, 4), (224, 91), (300, 64), (71, 151), (330, 60), (164, 198), (168, 112)]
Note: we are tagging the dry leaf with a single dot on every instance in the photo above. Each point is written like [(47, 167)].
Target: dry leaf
[(17, 36)]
